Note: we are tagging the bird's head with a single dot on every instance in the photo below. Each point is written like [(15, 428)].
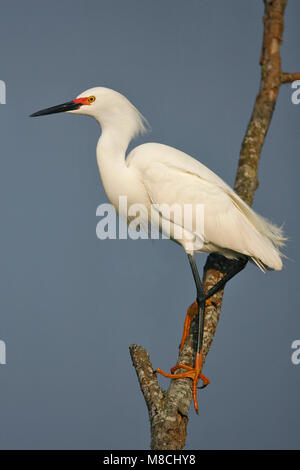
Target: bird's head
[(89, 102), (107, 106)]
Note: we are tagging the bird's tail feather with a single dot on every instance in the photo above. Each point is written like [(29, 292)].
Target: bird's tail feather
[(271, 258)]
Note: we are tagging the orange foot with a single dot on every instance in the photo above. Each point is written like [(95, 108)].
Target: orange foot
[(192, 311), (193, 373)]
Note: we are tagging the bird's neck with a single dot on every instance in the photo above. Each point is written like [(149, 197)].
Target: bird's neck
[(112, 145), (111, 152)]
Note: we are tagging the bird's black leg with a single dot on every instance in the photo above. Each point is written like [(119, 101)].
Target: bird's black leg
[(200, 301), (235, 269), (195, 373)]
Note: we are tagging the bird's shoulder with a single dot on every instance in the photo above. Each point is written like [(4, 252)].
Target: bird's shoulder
[(164, 161)]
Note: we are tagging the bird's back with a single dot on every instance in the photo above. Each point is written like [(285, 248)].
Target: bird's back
[(230, 225)]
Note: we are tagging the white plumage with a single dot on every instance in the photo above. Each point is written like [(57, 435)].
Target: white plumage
[(155, 175), (158, 174), (230, 226)]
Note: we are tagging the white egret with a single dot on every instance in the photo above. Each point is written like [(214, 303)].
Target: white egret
[(156, 174)]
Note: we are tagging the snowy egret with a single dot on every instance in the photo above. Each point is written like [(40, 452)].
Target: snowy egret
[(156, 174)]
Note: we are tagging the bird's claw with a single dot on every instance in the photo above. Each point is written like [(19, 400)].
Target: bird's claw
[(193, 373), (203, 386)]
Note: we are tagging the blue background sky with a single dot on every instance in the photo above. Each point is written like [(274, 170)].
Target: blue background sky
[(72, 304)]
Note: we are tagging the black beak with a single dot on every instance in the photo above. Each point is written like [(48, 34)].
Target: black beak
[(61, 108)]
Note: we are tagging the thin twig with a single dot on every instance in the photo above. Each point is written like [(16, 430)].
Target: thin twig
[(289, 77)]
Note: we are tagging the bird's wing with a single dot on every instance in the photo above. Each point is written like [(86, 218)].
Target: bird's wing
[(170, 186), (172, 177)]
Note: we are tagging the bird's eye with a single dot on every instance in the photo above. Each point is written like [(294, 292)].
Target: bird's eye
[(91, 99)]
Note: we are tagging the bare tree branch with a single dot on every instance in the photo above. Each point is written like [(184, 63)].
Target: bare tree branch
[(168, 411), (289, 77)]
